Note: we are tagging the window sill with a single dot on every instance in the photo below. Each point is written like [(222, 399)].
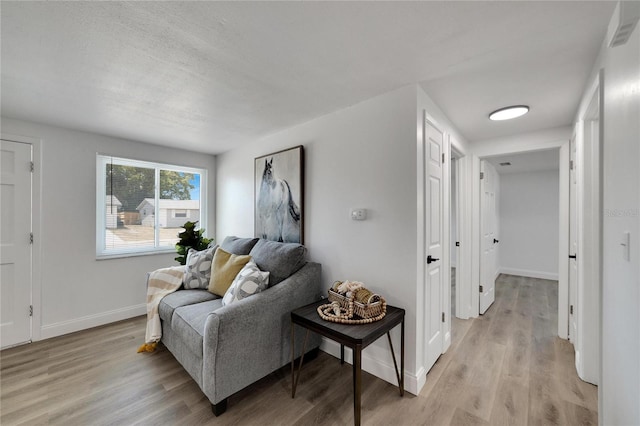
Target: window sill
[(135, 254)]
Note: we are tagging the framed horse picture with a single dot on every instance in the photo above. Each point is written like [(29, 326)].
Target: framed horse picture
[(279, 196)]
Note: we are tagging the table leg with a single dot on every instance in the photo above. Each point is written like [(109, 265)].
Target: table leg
[(341, 354), (395, 365), (294, 383), (357, 383), (293, 347), (402, 358)]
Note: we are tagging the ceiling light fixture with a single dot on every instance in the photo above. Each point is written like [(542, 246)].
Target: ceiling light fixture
[(506, 163), (509, 112)]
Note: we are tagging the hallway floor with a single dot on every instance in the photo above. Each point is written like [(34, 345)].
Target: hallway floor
[(509, 366)]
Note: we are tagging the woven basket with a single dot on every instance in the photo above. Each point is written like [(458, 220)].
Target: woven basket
[(362, 310)]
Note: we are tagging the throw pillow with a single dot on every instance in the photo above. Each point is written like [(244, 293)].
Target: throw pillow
[(281, 259), (198, 268), (249, 281), (224, 270), (237, 245)]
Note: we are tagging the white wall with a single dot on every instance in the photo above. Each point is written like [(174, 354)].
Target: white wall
[(539, 140), (362, 156), (620, 385), (529, 218), (76, 290)]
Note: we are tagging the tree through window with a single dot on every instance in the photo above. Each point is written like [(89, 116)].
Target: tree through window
[(142, 206)]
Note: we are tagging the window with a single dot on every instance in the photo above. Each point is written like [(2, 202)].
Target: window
[(141, 206)]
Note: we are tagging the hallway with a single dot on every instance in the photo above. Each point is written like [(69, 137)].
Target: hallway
[(509, 366)]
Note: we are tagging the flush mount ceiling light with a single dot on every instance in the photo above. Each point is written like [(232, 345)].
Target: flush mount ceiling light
[(509, 112)]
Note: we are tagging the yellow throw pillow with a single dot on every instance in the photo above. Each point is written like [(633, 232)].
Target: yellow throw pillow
[(224, 269)]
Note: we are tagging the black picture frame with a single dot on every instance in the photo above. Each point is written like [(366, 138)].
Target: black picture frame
[(279, 196)]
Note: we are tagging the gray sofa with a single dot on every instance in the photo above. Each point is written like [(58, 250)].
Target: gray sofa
[(226, 348)]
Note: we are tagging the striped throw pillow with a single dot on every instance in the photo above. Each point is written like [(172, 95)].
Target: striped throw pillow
[(249, 281)]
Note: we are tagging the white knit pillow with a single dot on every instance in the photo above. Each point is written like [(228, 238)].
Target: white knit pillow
[(198, 268), (249, 281)]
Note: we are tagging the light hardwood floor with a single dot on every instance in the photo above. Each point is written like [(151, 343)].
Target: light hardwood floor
[(507, 367)]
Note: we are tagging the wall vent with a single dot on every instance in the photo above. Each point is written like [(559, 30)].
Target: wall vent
[(623, 22)]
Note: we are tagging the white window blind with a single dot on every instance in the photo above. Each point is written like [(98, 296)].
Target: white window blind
[(141, 206)]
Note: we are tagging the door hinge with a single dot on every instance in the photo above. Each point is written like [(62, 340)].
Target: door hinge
[(443, 317), (481, 289), (457, 243), (443, 158), (33, 167), (570, 164), (571, 309), (481, 175), (31, 238), (30, 310)]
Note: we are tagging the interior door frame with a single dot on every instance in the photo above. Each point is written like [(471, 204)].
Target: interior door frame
[(422, 311), (473, 167), (36, 226), (491, 177), (563, 241), (445, 326), (462, 311), (575, 191), (590, 144)]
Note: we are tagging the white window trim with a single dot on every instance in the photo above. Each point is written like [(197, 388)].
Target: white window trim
[(101, 217)]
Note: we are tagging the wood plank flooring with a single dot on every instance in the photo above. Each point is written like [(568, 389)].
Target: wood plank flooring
[(507, 367)]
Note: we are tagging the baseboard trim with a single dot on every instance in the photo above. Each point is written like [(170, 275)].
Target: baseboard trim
[(530, 274), (378, 368), (90, 321)]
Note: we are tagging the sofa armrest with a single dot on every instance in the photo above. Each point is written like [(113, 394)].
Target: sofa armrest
[(250, 338)]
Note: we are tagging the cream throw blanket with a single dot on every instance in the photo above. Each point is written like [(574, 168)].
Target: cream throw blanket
[(161, 282)]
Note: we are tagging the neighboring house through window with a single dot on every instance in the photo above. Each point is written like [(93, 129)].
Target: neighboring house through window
[(141, 206)]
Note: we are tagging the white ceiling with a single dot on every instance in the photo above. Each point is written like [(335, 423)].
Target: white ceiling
[(208, 76), (536, 161)]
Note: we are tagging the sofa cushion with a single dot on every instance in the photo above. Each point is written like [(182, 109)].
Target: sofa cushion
[(237, 245), (249, 281), (224, 270), (179, 298), (198, 268), (280, 259), (188, 322)]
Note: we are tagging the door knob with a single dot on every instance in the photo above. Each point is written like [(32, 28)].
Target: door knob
[(495, 241), (431, 259), (572, 256)]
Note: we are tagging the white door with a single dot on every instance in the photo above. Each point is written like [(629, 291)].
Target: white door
[(15, 245), (434, 142), (573, 243), (488, 241)]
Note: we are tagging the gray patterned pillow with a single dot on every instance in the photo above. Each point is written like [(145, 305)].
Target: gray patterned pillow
[(198, 268), (249, 281)]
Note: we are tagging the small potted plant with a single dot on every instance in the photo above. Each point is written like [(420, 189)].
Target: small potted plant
[(190, 238)]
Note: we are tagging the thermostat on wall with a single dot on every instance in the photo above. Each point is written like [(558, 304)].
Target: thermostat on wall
[(358, 214)]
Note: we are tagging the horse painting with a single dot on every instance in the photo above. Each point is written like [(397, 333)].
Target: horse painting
[(278, 216)]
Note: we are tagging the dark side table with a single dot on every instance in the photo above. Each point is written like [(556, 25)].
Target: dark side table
[(355, 336)]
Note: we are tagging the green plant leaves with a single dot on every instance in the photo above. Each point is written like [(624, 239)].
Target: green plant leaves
[(190, 238)]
